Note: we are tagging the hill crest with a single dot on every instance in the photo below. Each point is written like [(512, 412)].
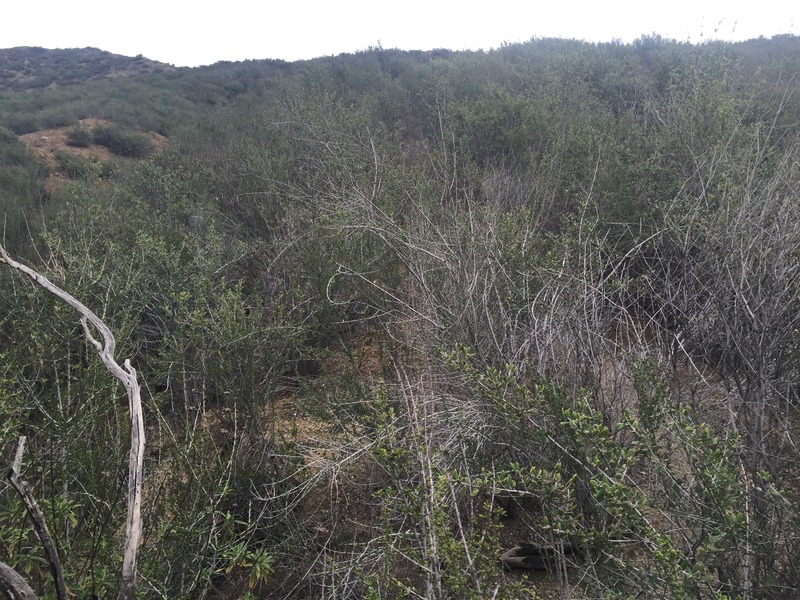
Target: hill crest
[(27, 67)]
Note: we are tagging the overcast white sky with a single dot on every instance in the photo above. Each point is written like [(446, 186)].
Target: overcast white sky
[(203, 32)]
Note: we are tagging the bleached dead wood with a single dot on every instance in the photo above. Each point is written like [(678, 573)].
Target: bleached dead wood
[(126, 374), (13, 586)]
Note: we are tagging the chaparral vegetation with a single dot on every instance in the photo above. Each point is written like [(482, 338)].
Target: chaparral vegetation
[(512, 324)]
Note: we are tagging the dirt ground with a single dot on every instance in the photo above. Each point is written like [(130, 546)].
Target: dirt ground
[(47, 143)]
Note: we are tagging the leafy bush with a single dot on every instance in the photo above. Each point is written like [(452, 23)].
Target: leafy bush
[(75, 166), (58, 117), (7, 136), (122, 141), (21, 188), (79, 137), (107, 169), (22, 123)]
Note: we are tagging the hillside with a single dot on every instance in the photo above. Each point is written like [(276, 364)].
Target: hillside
[(26, 68), (444, 325), (45, 89)]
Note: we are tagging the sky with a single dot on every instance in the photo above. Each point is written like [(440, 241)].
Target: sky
[(203, 32)]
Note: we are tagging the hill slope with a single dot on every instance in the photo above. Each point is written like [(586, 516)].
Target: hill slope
[(402, 314), (25, 67)]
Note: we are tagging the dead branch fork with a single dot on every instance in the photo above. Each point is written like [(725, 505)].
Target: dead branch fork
[(127, 376)]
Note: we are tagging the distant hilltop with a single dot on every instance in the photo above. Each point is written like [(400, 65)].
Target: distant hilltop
[(32, 67)]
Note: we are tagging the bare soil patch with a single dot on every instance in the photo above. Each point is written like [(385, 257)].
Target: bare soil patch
[(46, 144)]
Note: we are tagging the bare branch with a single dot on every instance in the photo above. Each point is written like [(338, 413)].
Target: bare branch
[(13, 586), (127, 376), (39, 525)]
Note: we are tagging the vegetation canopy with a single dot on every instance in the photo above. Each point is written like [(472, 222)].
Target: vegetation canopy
[(447, 325)]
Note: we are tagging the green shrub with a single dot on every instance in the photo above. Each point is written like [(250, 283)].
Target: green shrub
[(57, 117), (122, 141), (14, 153), (23, 123), (75, 166), (7, 136), (107, 169), (79, 137)]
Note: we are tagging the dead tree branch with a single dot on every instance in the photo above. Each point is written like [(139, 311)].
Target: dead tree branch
[(127, 376), (39, 525), (13, 586)]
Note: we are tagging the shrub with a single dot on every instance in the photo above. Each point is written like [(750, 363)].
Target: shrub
[(7, 136), (79, 137), (122, 141), (57, 117), (76, 167), (107, 169), (23, 123)]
